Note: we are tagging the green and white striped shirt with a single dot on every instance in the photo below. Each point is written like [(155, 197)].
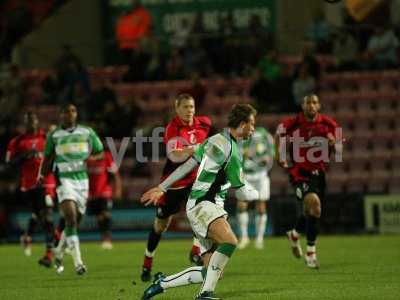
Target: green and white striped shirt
[(257, 150), (220, 169), (72, 148)]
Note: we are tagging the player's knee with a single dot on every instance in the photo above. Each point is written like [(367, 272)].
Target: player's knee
[(161, 225), (313, 205), (242, 206), (261, 208)]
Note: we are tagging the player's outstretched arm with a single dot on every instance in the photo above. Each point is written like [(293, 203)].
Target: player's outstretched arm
[(153, 195)]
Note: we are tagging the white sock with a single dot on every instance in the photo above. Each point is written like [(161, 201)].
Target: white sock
[(261, 223), (196, 242), (62, 245), (189, 276), (73, 244), (149, 254), (217, 264), (311, 249), (243, 224)]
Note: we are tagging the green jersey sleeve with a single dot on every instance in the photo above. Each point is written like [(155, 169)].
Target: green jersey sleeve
[(234, 169), (49, 148), (94, 140)]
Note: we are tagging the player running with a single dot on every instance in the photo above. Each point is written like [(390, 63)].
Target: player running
[(68, 147), (182, 134), (26, 151), (258, 156), (104, 183), (220, 167), (312, 137)]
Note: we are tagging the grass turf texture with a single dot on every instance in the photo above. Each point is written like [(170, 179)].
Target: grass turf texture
[(364, 267)]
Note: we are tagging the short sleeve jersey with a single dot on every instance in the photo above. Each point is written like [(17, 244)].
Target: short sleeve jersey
[(220, 168), (29, 169), (99, 184), (71, 148), (309, 140), (178, 136), (255, 151)]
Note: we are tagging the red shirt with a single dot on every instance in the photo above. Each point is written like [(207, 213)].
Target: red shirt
[(49, 185), (307, 137), (178, 136), (99, 185), (29, 167)]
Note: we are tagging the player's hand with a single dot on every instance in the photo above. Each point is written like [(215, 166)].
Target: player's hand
[(283, 163), (152, 196)]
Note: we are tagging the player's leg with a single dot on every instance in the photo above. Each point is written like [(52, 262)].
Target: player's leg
[(263, 186), (26, 239), (294, 234), (261, 223), (45, 211), (104, 222), (160, 225), (170, 206), (221, 233), (191, 275), (312, 206), (243, 219)]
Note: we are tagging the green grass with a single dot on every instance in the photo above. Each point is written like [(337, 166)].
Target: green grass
[(366, 267)]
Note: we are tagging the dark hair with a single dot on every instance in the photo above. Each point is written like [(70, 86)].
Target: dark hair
[(182, 97), (65, 106), (240, 113), (308, 96)]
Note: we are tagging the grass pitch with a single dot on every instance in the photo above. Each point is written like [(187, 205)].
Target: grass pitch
[(366, 267)]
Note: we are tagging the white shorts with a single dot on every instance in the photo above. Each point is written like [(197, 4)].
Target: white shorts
[(74, 190), (261, 183), (200, 217)]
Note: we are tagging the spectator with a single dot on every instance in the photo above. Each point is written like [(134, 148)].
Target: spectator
[(320, 32), (195, 58), (179, 37), (131, 28), (381, 50), (259, 41), (174, 66), (197, 90), (229, 58), (303, 85), (345, 51), (102, 94), (269, 66), (154, 68), (308, 58), (11, 92)]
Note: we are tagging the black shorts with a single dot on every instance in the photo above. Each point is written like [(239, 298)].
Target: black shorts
[(34, 199), (173, 201), (98, 205), (315, 183)]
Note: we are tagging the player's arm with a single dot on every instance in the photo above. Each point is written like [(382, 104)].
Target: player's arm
[(153, 195), (115, 177), (49, 156), (14, 157), (178, 149), (97, 146), (280, 147), (244, 191)]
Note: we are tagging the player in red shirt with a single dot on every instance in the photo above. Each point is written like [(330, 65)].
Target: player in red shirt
[(182, 134), (311, 137), (26, 151), (104, 179)]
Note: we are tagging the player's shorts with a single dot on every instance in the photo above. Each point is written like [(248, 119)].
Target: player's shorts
[(173, 202), (35, 199), (77, 191), (261, 183), (200, 217), (97, 205), (314, 184)]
